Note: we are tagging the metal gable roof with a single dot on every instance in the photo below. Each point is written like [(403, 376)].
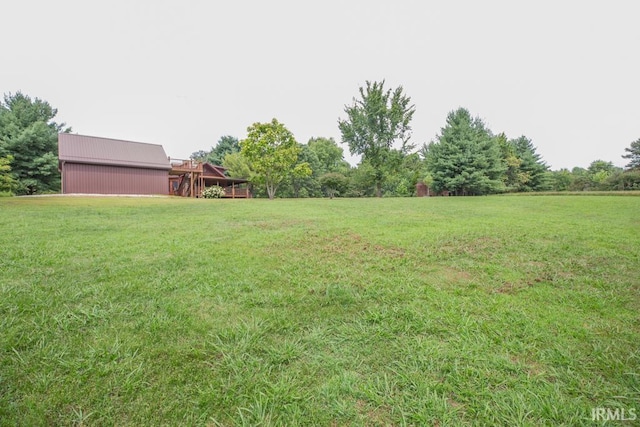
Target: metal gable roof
[(105, 151)]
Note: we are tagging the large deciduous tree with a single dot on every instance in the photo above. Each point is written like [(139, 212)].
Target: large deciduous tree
[(580, 179), (633, 154), (238, 166), (374, 123), (599, 172), (330, 155), (465, 159), (7, 183), (513, 177), (29, 134), (273, 154), (561, 180), (306, 185), (362, 180)]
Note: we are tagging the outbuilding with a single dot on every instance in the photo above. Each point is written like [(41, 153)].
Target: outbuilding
[(93, 165)]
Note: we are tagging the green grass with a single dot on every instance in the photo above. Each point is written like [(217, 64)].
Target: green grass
[(434, 311)]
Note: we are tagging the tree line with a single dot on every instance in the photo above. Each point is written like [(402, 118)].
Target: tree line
[(465, 158)]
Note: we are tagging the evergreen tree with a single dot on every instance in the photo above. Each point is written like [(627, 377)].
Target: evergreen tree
[(532, 169), (633, 155), (465, 159), (226, 145), (29, 135)]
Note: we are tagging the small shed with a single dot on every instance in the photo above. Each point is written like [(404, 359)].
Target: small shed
[(93, 165), (422, 190)]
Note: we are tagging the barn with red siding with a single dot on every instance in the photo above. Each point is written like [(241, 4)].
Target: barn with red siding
[(93, 165)]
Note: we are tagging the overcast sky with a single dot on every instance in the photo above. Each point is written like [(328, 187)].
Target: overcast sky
[(184, 73)]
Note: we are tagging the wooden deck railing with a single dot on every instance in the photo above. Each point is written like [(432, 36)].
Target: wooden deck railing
[(178, 165), (237, 192)]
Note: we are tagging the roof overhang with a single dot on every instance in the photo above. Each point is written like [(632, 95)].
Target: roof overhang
[(84, 160)]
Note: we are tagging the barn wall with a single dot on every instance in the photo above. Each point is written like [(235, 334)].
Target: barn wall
[(101, 179)]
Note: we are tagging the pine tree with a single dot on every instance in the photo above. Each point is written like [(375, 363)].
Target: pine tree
[(29, 134), (465, 159), (634, 155)]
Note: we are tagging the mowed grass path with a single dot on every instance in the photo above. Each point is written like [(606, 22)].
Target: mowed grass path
[(439, 311)]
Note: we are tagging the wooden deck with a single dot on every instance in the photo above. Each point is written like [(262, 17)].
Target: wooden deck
[(237, 193), (188, 178), (185, 166)]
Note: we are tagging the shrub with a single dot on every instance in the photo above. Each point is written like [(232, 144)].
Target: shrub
[(334, 183), (213, 192)]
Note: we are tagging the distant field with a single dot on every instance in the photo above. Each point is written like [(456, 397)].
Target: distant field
[(433, 311)]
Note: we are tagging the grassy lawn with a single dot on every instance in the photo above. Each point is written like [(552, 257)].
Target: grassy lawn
[(441, 311)]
